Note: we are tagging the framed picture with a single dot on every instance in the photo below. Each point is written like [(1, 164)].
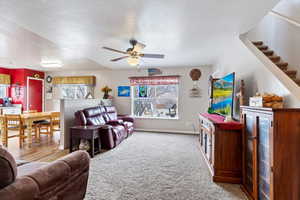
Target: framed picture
[(143, 91), (123, 91)]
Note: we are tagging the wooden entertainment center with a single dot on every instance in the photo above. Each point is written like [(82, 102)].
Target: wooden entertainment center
[(221, 146), (262, 152), (271, 153)]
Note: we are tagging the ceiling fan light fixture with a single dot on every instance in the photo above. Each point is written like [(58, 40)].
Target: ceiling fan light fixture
[(133, 61)]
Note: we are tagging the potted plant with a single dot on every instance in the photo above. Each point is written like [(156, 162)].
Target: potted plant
[(107, 99), (106, 91)]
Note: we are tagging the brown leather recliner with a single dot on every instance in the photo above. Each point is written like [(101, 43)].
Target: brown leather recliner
[(126, 120), (114, 130), (64, 179)]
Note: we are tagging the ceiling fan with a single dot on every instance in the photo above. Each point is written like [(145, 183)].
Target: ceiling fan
[(134, 54)]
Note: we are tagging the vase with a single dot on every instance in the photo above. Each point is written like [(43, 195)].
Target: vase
[(105, 96), (106, 102)]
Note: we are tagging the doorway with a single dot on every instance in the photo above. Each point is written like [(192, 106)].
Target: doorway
[(35, 94)]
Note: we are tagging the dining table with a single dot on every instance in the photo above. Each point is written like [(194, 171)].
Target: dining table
[(28, 120)]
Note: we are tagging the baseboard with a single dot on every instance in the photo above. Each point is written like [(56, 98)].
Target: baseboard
[(167, 131)]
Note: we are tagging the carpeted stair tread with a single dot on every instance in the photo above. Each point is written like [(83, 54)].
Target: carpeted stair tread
[(275, 59), (282, 65), (258, 43), (263, 47), (297, 81), (291, 73), (268, 52)]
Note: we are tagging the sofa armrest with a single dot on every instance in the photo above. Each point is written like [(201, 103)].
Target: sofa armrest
[(105, 127), (80, 119), (24, 188), (79, 160), (62, 173), (126, 118), (115, 122)]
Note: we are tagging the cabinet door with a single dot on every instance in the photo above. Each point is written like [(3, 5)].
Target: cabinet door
[(250, 154), (201, 132), (209, 148), (263, 159)]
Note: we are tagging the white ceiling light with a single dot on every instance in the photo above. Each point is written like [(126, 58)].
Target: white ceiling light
[(51, 64), (133, 61)]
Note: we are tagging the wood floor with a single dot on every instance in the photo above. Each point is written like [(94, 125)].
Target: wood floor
[(44, 151)]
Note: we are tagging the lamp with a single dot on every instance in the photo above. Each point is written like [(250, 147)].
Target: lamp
[(133, 61), (51, 64)]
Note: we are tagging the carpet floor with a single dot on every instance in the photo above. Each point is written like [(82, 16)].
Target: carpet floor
[(155, 166)]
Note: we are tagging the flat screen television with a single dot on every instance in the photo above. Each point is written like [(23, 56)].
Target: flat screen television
[(223, 95)]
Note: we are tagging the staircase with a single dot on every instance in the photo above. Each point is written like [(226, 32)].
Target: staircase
[(277, 61)]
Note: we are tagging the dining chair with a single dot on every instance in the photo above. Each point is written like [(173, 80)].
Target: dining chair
[(34, 122), (55, 120), (48, 127), (14, 123)]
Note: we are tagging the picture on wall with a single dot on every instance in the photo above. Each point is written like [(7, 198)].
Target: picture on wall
[(143, 91), (123, 91)]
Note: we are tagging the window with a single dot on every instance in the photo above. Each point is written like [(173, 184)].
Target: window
[(155, 97), (74, 91), (3, 91)]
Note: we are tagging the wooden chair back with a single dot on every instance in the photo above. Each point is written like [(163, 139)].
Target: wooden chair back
[(13, 122), (55, 119)]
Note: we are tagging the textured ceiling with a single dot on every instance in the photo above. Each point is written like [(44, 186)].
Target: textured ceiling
[(188, 32)]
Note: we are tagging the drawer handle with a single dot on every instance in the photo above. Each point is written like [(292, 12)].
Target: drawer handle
[(252, 138)]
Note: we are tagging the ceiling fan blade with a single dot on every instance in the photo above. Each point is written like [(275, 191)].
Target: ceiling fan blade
[(139, 46), (147, 55), (114, 50), (117, 59)]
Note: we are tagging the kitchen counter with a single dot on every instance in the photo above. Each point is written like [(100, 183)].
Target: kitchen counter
[(12, 110)]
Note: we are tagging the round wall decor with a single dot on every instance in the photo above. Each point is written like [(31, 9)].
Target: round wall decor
[(195, 74), (49, 79), (36, 76)]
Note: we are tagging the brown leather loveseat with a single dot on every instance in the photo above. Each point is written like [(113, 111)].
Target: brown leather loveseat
[(64, 179), (115, 128)]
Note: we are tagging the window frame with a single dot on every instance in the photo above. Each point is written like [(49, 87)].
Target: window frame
[(6, 90), (154, 118)]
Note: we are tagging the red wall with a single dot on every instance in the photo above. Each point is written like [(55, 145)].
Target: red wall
[(19, 76), (4, 71)]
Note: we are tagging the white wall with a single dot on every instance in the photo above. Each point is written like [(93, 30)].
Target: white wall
[(68, 108), (19, 47), (188, 107), (280, 36), (239, 59), (290, 8)]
